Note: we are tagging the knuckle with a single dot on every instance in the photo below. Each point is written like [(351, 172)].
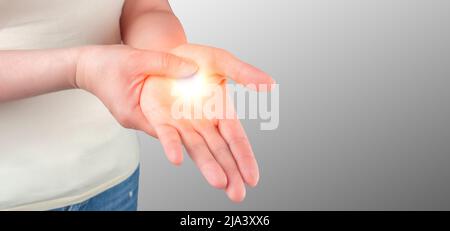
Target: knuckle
[(196, 146), (238, 140), (168, 135), (133, 62), (221, 149), (222, 53), (167, 60), (229, 165), (207, 163), (162, 130), (172, 142)]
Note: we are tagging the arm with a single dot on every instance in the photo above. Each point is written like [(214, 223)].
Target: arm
[(29, 73), (222, 152), (151, 25), (112, 73)]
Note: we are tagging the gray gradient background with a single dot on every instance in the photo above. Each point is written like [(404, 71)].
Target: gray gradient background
[(365, 105)]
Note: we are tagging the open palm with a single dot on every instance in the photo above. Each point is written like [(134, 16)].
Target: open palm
[(219, 147)]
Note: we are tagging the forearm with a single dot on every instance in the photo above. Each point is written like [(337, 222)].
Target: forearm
[(158, 30), (34, 72)]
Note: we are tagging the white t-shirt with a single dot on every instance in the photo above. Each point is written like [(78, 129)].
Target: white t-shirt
[(65, 147)]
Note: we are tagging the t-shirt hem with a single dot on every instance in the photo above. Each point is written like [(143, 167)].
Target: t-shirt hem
[(66, 201)]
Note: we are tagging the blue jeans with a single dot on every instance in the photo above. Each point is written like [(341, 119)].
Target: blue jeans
[(122, 197)]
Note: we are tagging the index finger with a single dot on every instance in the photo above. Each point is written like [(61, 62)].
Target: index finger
[(241, 72)]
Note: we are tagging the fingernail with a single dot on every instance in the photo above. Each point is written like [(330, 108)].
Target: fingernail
[(188, 68)]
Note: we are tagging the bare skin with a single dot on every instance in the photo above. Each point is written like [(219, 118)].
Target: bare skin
[(219, 148), (132, 81)]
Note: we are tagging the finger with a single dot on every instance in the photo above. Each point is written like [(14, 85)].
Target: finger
[(136, 120), (241, 72), (167, 65), (221, 152), (234, 134), (171, 142), (202, 157)]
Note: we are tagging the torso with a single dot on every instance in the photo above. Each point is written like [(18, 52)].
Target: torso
[(60, 148)]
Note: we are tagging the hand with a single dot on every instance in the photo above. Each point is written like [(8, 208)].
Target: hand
[(219, 148), (116, 75)]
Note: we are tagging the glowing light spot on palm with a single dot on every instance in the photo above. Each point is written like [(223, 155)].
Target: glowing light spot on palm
[(190, 88)]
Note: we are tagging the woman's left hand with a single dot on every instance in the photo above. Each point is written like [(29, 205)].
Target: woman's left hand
[(219, 147)]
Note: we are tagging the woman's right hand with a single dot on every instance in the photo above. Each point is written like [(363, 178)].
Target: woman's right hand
[(116, 75)]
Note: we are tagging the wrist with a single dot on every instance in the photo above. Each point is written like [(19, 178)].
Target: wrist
[(82, 56), (73, 56)]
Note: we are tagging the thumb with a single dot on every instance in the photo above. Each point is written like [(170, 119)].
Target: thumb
[(169, 65)]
